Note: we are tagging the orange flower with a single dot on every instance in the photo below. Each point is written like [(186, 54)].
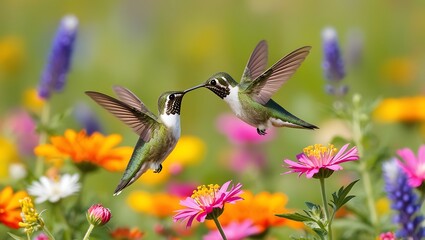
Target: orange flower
[(87, 150), (157, 204), (260, 209), (10, 209), (407, 109), (123, 233)]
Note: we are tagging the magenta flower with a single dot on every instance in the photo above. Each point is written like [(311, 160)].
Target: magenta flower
[(240, 132), (207, 202), (23, 128), (317, 157), (413, 166), (235, 231), (98, 215)]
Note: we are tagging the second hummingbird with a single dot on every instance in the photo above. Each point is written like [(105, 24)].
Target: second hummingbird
[(158, 135), (251, 99)]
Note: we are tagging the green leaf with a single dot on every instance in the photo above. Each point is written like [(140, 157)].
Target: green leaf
[(295, 217), (15, 236), (340, 198)]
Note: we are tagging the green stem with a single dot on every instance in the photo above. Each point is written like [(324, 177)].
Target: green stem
[(87, 235), (49, 234), (325, 206), (28, 236), (367, 184), (44, 119), (220, 229), (60, 216)]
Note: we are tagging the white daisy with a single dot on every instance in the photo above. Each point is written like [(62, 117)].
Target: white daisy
[(53, 190)]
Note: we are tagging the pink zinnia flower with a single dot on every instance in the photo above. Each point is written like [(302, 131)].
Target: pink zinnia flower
[(205, 200), (413, 166), (98, 215), (235, 231), (317, 157)]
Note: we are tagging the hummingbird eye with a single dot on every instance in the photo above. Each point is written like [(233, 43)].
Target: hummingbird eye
[(213, 82), (171, 97)]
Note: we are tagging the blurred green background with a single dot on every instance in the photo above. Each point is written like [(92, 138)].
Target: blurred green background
[(155, 46)]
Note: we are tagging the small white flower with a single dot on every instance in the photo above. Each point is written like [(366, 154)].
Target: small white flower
[(47, 189), (17, 171)]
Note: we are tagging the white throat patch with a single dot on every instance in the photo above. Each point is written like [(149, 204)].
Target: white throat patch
[(172, 122), (233, 100)]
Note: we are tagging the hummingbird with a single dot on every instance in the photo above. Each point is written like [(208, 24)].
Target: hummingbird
[(251, 99), (157, 135)]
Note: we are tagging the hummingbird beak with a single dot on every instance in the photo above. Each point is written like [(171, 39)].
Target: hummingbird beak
[(193, 88)]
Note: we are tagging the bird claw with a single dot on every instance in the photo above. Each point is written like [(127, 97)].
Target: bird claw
[(158, 170), (261, 132)]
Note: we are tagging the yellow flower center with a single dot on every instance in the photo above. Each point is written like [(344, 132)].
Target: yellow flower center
[(319, 151), (205, 192)]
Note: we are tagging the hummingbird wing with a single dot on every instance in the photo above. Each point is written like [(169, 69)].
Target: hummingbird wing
[(132, 100), (265, 85), (141, 122), (256, 64)]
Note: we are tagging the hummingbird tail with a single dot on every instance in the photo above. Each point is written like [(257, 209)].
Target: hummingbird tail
[(127, 181), (293, 124)]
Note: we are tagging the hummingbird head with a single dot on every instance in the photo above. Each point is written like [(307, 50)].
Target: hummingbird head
[(170, 102), (220, 84)]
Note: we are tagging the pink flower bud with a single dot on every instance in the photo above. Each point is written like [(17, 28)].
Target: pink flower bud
[(98, 215)]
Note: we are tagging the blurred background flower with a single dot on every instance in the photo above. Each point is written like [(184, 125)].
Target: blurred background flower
[(401, 110), (56, 71), (10, 208), (247, 152), (260, 209)]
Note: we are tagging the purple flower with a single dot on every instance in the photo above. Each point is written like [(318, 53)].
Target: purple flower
[(58, 64), (404, 201), (333, 65), (87, 119)]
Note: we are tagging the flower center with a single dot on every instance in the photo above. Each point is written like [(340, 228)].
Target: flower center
[(319, 151), (205, 193)]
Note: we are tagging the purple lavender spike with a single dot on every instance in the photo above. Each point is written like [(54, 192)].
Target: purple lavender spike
[(404, 201), (333, 65), (57, 67)]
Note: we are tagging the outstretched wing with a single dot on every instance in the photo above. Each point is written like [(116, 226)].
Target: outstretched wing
[(265, 85), (132, 100), (141, 122), (256, 64)]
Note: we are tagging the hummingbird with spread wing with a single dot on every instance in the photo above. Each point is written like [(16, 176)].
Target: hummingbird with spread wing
[(157, 135), (251, 99)]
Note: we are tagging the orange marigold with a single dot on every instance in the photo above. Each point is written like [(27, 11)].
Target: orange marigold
[(260, 209), (156, 204), (86, 150), (124, 233), (10, 208), (405, 109)]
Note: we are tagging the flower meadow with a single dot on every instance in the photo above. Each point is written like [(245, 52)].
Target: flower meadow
[(359, 176)]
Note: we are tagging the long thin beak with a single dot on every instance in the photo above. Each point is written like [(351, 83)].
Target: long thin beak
[(193, 88)]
